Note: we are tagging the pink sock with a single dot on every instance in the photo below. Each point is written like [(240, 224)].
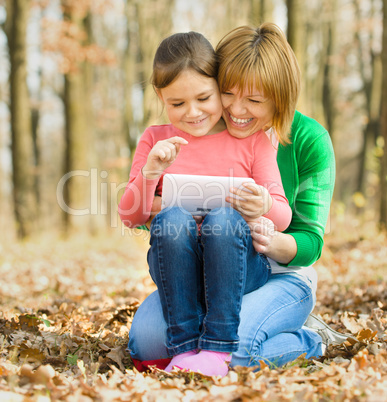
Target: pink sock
[(207, 362), (176, 359)]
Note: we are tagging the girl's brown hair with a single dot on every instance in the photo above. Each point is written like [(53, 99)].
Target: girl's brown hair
[(183, 51), (262, 58)]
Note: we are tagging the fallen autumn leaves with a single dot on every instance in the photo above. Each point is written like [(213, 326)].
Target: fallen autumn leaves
[(67, 308)]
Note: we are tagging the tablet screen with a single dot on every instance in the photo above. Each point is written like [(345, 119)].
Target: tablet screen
[(198, 194)]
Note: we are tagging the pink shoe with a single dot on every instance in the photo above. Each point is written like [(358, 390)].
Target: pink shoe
[(177, 359), (207, 362)]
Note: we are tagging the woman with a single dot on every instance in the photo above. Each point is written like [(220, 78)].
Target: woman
[(257, 67)]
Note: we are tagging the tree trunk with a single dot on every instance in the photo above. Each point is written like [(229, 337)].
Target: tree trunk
[(22, 149), (296, 37), (383, 125), (155, 23), (261, 11), (292, 22), (77, 185), (371, 85), (327, 97), (131, 62)]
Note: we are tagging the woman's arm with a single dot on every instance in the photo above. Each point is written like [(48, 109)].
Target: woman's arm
[(312, 193), (307, 167)]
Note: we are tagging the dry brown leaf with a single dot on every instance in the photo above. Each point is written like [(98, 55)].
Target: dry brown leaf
[(117, 355), (362, 359), (351, 323), (366, 335), (42, 375)]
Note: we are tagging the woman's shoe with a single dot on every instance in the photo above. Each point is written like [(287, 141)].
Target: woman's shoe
[(328, 335)]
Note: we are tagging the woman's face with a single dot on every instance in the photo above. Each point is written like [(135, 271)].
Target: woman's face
[(246, 112)]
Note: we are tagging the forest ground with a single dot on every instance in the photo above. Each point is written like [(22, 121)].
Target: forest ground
[(66, 306)]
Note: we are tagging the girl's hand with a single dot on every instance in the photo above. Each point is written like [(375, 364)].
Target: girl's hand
[(263, 232), (161, 156), (251, 202)]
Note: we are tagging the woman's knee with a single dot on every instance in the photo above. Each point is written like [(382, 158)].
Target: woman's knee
[(148, 331), (242, 357)]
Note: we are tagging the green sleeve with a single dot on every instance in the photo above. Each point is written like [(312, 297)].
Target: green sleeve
[(143, 227), (312, 188)]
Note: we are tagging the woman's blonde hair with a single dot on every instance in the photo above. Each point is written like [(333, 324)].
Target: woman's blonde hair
[(262, 58)]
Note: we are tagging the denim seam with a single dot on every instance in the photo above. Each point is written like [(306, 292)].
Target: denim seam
[(242, 253), (220, 342), (204, 329), (175, 349)]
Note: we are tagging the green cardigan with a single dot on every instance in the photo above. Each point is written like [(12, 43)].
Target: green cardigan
[(307, 167)]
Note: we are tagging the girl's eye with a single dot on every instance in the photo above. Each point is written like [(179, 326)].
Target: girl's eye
[(204, 99), (254, 101), (177, 104), (226, 93)]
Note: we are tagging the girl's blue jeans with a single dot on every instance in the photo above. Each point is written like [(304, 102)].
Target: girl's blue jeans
[(201, 276), (270, 328)]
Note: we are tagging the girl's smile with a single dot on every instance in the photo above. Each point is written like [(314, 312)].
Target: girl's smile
[(193, 104)]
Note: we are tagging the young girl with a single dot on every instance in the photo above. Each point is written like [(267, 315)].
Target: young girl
[(201, 272)]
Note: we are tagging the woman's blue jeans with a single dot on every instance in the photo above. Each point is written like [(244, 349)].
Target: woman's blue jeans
[(202, 275), (270, 328)]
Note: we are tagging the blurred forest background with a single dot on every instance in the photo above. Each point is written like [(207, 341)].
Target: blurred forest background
[(75, 98)]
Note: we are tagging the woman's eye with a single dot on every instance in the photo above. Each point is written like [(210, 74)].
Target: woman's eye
[(177, 104), (226, 93), (254, 101), (204, 99)]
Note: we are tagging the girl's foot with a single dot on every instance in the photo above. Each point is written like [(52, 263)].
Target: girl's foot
[(176, 359), (207, 362)]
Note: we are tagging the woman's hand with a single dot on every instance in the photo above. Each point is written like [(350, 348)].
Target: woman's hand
[(267, 240), (251, 201), (161, 156), (262, 232)]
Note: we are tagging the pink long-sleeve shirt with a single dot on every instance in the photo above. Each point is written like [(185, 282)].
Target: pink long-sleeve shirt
[(212, 155)]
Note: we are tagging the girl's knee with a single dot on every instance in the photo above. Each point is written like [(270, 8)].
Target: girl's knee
[(172, 222), (225, 221), (173, 214)]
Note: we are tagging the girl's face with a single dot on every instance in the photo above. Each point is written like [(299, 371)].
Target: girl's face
[(246, 112), (192, 102)]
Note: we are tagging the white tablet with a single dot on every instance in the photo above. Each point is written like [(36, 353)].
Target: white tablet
[(198, 194)]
